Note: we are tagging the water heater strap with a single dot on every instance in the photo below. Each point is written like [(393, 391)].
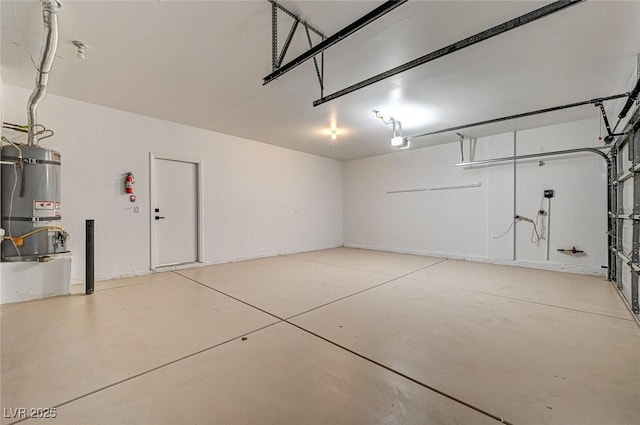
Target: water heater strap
[(32, 160), (33, 219)]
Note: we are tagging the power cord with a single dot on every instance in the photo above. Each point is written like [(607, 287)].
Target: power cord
[(508, 230), (539, 235), (536, 237)]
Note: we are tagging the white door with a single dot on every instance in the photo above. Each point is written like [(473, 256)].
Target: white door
[(174, 212)]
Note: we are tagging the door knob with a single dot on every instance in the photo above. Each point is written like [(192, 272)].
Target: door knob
[(159, 217)]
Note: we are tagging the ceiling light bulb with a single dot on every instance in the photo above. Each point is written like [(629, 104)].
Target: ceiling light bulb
[(334, 134)]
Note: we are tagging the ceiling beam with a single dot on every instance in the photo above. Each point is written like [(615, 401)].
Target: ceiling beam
[(330, 41), (469, 41)]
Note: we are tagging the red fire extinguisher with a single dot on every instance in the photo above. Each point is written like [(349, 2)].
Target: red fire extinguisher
[(128, 185)]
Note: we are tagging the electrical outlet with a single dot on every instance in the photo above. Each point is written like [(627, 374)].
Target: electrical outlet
[(136, 210)]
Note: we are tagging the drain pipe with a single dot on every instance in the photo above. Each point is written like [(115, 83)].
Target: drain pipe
[(47, 55)]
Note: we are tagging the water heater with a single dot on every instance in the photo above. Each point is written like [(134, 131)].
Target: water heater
[(31, 211)]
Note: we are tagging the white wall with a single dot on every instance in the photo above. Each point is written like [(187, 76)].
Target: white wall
[(258, 199), (462, 223), (264, 200)]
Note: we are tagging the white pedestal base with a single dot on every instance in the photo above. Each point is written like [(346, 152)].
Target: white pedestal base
[(31, 280)]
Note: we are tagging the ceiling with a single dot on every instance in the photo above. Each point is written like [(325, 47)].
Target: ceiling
[(202, 63)]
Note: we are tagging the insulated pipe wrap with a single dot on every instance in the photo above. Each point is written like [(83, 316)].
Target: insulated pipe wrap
[(47, 55)]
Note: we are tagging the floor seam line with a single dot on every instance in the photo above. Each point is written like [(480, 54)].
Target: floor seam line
[(232, 297), (146, 372), (279, 320), (401, 374), (361, 291), (522, 300), (290, 256), (336, 265)]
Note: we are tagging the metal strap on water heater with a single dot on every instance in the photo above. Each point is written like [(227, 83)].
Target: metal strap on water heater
[(33, 219), (33, 160)]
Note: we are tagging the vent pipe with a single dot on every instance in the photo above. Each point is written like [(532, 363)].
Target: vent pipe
[(47, 54)]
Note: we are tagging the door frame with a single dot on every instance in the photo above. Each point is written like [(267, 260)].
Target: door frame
[(153, 156)]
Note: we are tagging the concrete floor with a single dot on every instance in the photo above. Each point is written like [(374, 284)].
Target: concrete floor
[(341, 336)]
